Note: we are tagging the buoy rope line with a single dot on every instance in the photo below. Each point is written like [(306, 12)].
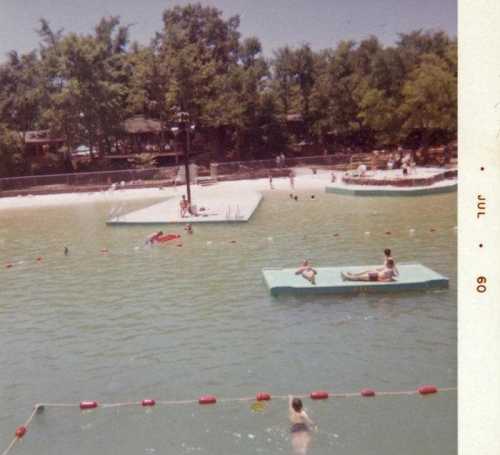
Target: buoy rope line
[(178, 242), (212, 399)]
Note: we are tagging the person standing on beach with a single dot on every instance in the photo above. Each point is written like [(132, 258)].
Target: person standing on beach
[(271, 181), (292, 179)]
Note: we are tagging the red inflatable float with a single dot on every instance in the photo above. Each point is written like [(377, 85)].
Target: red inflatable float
[(88, 405), (263, 396), (367, 393), (207, 399), (148, 402), (319, 395), (427, 389), (167, 238), (20, 432)]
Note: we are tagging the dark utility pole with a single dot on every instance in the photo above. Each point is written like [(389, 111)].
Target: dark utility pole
[(187, 126)]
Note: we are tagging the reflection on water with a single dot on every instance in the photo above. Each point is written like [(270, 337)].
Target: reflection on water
[(177, 322)]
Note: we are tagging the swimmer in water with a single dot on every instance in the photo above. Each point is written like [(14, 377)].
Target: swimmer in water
[(66, 251), (301, 426), (307, 272), (189, 228), (387, 274), (153, 237)]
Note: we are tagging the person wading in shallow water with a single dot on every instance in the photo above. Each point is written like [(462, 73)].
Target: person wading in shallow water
[(301, 426)]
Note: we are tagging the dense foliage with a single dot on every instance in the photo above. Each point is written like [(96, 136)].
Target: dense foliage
[(82, 88)]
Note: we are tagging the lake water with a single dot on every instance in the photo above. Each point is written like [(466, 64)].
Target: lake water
[(175, 323)]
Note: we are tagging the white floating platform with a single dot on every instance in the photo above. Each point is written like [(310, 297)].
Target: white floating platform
[(393, 183), (329, 280), (212, 206)]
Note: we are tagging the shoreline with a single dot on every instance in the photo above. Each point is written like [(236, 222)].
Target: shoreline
[(304, 180)]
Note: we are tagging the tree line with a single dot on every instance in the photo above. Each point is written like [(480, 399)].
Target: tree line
[(82, 88)]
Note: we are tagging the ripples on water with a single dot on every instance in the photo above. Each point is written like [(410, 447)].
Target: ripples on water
[(174, 323)]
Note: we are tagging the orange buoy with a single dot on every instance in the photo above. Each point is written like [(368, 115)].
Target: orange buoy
[(88, 404), (207, 399), (263, 396), (367, 393), (148, 402), (319, 395), (20, 432), (427, 389)]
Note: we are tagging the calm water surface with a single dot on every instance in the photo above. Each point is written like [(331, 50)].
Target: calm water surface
[(175, 323)]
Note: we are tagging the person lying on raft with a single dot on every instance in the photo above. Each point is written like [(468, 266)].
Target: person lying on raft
[(153, 237), (387, 274), (307, 272)]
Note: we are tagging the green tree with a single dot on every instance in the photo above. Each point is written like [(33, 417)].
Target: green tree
[(430, 98)]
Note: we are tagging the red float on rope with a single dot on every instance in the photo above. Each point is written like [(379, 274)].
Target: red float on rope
[(148, 402), (263, 396), (319, 395), (367, 393), (20, 432), (207, 399), (88, 404), (427, 389)]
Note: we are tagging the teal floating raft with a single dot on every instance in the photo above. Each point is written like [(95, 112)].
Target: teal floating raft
[(329, 280)]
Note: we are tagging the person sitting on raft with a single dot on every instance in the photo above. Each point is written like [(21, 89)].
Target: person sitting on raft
[(301, 425), (387, 257), (387, 274), (307, 272), (153, 237)]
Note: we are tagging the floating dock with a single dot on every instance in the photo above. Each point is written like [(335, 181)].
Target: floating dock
[(212, 207), (329, 280), (364, 190)]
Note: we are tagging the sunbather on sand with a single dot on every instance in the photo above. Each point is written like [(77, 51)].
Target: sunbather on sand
[(387, 274), (307, 272)]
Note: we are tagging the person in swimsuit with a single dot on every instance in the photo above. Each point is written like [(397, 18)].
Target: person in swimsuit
[(189, 228), (153, 237), (184, 205), (387, 256), (387, 274), (301, 426), (307, 272)]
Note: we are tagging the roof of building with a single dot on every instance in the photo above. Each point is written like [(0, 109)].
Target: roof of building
[(140, 124), (40, 137)]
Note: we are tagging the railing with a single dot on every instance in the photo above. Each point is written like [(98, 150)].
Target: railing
[(253, 168)]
